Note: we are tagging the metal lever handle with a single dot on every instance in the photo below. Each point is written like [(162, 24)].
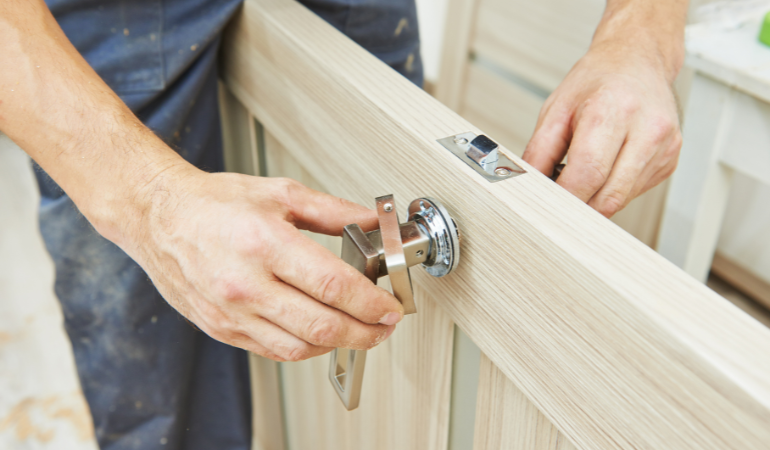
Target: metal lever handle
[(429, 238)]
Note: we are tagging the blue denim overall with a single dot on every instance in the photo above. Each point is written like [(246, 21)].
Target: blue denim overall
[(151, 380)]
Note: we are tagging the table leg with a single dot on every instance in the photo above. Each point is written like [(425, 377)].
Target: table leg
[(700, 187)]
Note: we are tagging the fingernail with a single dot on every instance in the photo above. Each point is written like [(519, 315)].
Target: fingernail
[(391, 319)]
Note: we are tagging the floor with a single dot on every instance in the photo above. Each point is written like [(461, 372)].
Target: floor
[(41, 404)]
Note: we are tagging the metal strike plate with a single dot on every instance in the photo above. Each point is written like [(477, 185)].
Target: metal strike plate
[(482, 155)]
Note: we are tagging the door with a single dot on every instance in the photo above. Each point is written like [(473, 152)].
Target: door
[(588, 339)]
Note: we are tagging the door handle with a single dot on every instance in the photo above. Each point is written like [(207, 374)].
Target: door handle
[(430, 237)]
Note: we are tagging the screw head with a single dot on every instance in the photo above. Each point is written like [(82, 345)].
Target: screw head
[(388, 207), (461, 140), (502, 172)]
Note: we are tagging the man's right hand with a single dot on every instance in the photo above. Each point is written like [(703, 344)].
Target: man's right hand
[(223, 249), (226, 251)]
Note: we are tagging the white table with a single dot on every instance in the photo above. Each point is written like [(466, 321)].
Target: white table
[(727, 129)]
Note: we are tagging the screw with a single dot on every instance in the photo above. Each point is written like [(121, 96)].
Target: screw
[(419, 253), (461, 140), (388, 207), (502, 172)]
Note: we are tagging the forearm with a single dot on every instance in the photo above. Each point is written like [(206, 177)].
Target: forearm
[(653, 27), (55, 107)]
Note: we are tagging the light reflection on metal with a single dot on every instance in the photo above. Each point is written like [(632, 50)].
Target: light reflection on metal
[(429, 238), (482, 155)]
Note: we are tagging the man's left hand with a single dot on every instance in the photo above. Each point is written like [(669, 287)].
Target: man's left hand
[(615, 116)]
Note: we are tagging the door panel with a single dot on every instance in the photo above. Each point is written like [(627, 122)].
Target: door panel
[(405, 396), (506, 419), (614, 345)]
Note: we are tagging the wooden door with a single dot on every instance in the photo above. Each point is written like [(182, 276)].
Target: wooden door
[(588, 339)]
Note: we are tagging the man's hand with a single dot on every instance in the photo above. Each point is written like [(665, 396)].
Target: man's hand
[(615, 114), (226, 251)]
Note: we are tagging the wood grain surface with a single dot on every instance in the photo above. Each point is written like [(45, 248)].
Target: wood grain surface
[(616, 346), (405, 397), (506, 419)]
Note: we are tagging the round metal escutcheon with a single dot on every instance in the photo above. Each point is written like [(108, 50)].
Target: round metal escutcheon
[(444, 251)]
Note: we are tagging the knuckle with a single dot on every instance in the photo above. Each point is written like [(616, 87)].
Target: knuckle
[(231, 289), (556, 111), (223, 334), (324, 330), (594, 174), (670, 168), (286, 188), (672, 153), (661, 129), (286, 183), (299, 352), (271, 355), (593, 114), (253, 238), (216, 323), (628, 104), (225, 329), (611, 204), (331, 289)]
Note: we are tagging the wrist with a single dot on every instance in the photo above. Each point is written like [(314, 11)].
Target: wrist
[(121, 214), (646, 31)]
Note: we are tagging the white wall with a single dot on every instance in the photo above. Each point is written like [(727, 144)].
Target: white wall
[(432, 16)]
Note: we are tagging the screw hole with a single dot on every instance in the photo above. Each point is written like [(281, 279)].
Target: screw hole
[(419, 253)]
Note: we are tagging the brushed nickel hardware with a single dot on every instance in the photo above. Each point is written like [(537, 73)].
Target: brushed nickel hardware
[(430, 237)]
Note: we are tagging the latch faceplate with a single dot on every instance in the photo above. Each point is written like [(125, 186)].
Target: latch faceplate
[(483, 155)]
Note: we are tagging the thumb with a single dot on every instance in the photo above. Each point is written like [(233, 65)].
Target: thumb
[(323, 213)]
